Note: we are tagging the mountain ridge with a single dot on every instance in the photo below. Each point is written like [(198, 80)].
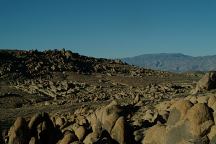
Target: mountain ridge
[(174, 62)]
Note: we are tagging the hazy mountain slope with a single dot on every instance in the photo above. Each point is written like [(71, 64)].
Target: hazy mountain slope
[(173, 62)]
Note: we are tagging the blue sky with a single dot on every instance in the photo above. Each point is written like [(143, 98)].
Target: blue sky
[(110, 28)]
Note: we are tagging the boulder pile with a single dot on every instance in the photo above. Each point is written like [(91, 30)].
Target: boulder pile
[(50, 88), (35, 63), (31, 64), (68, 91), (105, 125), (190, 120), (178, 121)]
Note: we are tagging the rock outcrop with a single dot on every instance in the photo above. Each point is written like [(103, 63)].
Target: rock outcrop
[(178, 121), (105, 125), (207, 82), (19, 132), (187, 123), (31, 64)]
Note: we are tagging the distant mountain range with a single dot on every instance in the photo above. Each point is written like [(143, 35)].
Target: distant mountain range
[(174, 62)]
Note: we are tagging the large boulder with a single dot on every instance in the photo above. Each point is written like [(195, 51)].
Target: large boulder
[(155, 135), (91, 138), (68, 138), (212, 135), (178, 133), (211, 101), (119, 131), (200, 119), (207, 82), (80, 133), (178, 111), (19, 132), (95, 123), (109, 119), (193, 127), (109, 115), (42, 127)]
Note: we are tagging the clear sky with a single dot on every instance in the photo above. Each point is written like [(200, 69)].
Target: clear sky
[(110, 28)]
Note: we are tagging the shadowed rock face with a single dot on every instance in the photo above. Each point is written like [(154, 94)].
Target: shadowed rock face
[(208, 82), (35, 63), (1, 137)]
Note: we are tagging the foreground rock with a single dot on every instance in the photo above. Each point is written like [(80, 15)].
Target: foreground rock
[(105, 125), (178, 121), (187, 123), (19, 132)]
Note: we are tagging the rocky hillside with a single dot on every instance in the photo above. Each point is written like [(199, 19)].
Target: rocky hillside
[(30, 64), (173, 62)]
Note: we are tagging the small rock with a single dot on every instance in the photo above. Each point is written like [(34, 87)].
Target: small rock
[(211, 101)]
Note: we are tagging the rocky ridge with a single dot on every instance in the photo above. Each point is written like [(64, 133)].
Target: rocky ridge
[(32, 64)]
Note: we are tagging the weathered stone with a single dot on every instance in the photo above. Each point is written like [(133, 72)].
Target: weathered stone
[(118, 132), (59, 121), (68, 138), (80, 133), (178, 133), (33, 140), (200, 119), (136, 99), (42, 127), (155, 135), (207, 82), (150, 116), (164, 106), (91, 138), (178, 111), (138, 135), (212, 134), (95, 124), (109, 115), (202, 99), (19, 132), (211, 101), (193, 99)]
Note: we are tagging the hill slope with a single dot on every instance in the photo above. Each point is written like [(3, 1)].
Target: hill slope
[(33, 64), (173, 62)]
